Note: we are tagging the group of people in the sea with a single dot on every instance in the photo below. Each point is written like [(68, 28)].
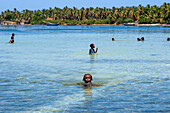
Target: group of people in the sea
[(142, 39), (91, 51), (87, 77)]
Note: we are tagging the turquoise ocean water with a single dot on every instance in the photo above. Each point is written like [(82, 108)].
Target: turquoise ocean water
[(39, 72)]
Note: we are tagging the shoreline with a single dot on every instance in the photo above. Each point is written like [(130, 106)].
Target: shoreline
[(166, 25), (152, 25)]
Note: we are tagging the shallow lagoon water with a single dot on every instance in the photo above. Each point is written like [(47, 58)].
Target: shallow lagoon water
[(39, 72)]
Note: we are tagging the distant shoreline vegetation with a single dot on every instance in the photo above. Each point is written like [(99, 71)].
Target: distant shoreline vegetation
[(89, 16)]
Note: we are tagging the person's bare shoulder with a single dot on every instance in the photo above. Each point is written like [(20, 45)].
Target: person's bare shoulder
[(88, 84), (80, 83), (93, 84)]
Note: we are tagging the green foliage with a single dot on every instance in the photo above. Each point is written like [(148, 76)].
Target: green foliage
[(119, 21), (144, 20), (99, 22), (9, 16), (105, 21), (88, 22), (1, 19), (17, 22), (128, 20), (37, 19), (144, 15)]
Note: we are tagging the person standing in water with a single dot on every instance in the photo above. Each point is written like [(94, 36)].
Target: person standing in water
[(92, 51), (87, 81), (12, 38)]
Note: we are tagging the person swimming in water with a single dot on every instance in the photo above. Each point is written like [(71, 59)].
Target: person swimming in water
[(92, 51), (87, 81), (138, 39), (142, 39), (12, 38)]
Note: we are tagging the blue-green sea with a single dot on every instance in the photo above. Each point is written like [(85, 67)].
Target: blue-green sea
[(39, 72)]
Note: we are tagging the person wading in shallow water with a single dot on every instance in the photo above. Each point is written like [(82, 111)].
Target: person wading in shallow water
[(12, 38), (92, 51), (87, 81)]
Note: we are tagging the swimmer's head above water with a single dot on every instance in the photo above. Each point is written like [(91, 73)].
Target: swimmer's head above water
[(92, 45), (138, 39), (87, 78), (142, 39), (87, 81)]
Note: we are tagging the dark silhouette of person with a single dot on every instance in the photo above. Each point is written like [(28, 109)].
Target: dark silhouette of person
[(12, 38), (92, 51)]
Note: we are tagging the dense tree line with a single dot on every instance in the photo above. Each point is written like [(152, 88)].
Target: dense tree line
[(140, 14)]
